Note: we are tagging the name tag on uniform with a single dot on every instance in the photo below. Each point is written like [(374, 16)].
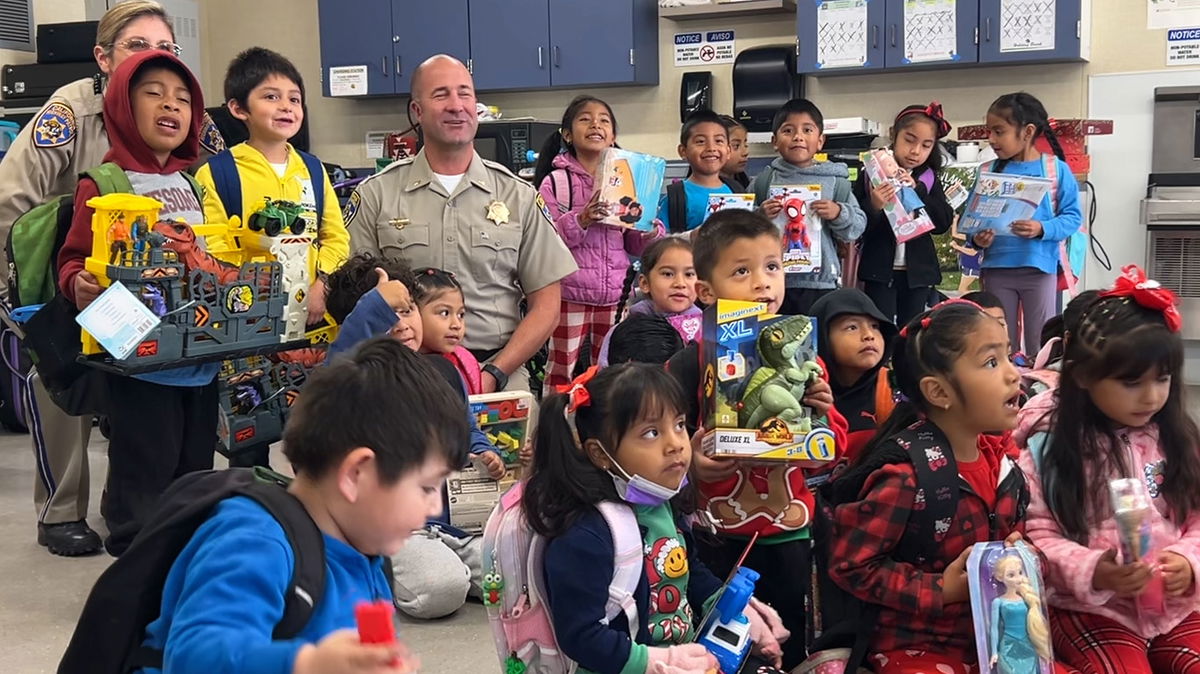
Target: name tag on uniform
[(399, 223)]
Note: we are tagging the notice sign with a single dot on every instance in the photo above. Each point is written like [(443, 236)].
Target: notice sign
[(1183, 47), (703, 49), (348, 81)]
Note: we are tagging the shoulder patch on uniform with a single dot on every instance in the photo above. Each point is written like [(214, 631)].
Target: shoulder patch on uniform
[(210, 136), (351, 208), (55, 126), (541, 204)]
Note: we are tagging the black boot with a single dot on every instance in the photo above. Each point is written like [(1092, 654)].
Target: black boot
[(69, 539)]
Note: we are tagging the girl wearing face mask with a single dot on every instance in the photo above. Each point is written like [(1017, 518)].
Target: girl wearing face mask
[(618, 435)]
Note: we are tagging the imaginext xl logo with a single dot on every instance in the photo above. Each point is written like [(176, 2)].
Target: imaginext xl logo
[(735, 331)]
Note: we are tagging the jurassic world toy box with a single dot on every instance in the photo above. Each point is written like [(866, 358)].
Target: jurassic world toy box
[(505, 418), (757, 366)]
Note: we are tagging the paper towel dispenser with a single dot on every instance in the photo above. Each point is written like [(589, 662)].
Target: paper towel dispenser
[(764, 78)]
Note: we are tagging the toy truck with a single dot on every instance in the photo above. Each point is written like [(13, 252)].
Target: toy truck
[(757, 367), (726, 631)]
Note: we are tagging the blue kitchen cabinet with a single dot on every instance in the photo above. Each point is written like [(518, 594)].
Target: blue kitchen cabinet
[(840, 36), (926, 35), (1015, 31), (603, 43), (510, 44), (362, 37), (422, 29)]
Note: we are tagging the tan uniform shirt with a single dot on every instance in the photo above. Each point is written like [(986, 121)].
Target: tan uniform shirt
[(493, 233), (64, 139)]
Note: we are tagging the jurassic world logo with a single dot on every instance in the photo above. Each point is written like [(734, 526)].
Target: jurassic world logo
[(775, 431)]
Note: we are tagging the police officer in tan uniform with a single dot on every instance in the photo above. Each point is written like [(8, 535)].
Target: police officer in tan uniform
[(65, 138), (449, 208)]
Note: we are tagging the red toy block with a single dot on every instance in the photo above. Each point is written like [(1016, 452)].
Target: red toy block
[(375, 624)]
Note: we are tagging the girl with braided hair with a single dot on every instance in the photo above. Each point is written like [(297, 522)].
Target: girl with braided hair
[(1120, 412), (1022, 269)]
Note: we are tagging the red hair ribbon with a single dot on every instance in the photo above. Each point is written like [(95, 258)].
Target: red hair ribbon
[(577, 393), (932, 111), (925, 322), (1148, 293)]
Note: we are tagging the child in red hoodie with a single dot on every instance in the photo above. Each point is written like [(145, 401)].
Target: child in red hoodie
[(163, 424)]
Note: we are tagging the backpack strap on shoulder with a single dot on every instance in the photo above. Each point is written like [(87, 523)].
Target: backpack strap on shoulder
[(677, 207), (228, 183), (316, 176), (109, 178), (307, 584), (937, 481), (560, 183), (627, 562)]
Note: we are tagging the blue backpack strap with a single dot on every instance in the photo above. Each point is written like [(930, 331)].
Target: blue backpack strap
[(316, 174), (227, 181)]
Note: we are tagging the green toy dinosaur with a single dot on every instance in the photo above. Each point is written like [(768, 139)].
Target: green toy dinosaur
[(789, 364)]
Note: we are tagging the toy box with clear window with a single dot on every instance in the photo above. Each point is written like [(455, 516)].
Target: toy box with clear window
[(505, 418), (756, 368)]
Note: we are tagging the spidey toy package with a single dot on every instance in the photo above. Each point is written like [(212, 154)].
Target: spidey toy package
[(629, 183), (800, 226), (1012, 631), (757, 367)]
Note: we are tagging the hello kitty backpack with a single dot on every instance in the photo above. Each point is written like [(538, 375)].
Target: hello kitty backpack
[(514, 592)]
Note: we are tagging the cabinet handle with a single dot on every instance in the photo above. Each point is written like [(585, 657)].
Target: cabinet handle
[(892, 34), (874, 37), (540, 57), (557, 57), (383, 65), (987, 29), (398, 69)]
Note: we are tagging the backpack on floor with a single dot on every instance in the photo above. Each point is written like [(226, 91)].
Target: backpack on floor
[(841, 621), (128, 595), (514, 591)]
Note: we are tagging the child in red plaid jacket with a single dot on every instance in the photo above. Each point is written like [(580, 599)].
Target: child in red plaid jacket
[(952, 365)]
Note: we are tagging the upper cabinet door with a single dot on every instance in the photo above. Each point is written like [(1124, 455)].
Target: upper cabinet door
[(1030, 30), (922, 33), (423, 29), (510, 44), (591, 42), (840, 36), (360, 38)]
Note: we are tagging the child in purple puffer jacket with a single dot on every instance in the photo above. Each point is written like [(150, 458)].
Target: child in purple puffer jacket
[(565, 170)]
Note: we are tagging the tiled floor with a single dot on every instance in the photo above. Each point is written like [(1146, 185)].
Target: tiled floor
[(41, 595)]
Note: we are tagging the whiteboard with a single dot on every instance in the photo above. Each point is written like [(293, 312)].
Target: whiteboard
[(1121, 162)]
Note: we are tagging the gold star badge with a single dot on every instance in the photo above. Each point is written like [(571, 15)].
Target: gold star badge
[(497, 212)]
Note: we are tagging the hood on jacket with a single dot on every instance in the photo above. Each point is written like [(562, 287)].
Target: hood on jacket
[(850, 301), (785, 170), (570, 163), (129, 150), (1034, 417)]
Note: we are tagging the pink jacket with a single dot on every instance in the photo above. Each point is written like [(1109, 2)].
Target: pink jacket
[(1071, 565), (601, 252)]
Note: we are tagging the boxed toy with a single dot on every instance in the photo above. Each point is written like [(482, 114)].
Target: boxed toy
[(720, 202), (801, 227), (1012, 630), (905, 212), (630, 183), (757, 366), (255, 398), (246, 299), (505, 419)]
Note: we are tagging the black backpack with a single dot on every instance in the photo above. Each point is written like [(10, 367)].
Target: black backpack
[(128, 595), (677, 203), (842, 620)]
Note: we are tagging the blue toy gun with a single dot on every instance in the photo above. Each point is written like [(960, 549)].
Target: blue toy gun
[(726, 631)]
